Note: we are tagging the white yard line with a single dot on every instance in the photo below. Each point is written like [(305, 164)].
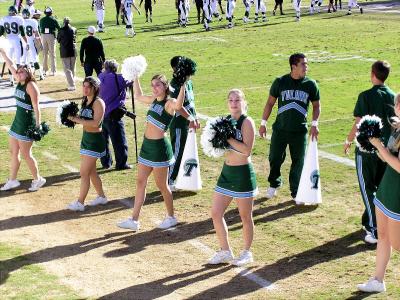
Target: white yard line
[(71, 168), (49, 155)]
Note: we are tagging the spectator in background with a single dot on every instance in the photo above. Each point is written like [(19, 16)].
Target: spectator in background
[(92, 53), (113, 92), (48, 26), (67, 38)]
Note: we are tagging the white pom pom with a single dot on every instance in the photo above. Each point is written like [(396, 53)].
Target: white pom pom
[(133, 67), (59, 111), (206, 137)]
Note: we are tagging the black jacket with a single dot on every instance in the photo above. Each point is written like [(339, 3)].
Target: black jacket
[(92, 51), (67, 38)]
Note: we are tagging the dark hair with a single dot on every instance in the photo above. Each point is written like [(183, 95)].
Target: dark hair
[(31, 76), (295, 58), (174, 61), (381, 69), (111, 65), (95, 84)]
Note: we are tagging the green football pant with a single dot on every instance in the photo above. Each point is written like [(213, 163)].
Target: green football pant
[(297, 142), (370, 169), (178, 140)]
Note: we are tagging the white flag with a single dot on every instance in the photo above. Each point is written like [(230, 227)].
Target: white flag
[(189, 171), (309, 192)]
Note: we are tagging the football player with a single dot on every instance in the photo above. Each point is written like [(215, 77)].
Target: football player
[(128, 14), (31, 28), (100, 12)]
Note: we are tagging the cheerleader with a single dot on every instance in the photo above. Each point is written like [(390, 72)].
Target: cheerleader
[(93, 145), (28, 114), (237, 180), (156, 154)]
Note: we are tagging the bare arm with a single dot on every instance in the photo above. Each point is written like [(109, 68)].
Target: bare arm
[(10, 65), (351, 136), (98, 114), (138, 93), (176, 104), (33, 92), (266, 113), (248, 134), (391, 160), (315, 116)]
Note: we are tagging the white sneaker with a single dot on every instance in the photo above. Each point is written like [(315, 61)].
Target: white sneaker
[(369, 238), (76, 206), (245, 257), (98, 200), (129, 224), (71, 88), (168, 222), (37, 184), (10, 184), (172, 187), (271, 192), (372, 286), (245, 19), (221, 257)]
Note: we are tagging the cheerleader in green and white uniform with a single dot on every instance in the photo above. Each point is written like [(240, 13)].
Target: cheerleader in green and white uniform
[(156, 154), (387, 206), (93, 145), (28, 114), (237, 180)]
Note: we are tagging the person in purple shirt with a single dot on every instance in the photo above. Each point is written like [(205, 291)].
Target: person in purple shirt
[(113, 92)]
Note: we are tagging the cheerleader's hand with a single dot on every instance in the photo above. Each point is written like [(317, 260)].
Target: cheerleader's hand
[(376, 142)]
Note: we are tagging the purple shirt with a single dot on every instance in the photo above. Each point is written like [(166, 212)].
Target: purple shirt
[(109, 92)]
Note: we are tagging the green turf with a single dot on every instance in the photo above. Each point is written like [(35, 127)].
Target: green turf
[(295, 243)]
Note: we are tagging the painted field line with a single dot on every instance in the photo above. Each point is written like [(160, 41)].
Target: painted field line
[(49, 155), (329, 145), (71, 168), (323, 154)]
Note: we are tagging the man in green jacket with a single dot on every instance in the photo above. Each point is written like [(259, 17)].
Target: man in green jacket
[(48, 26)]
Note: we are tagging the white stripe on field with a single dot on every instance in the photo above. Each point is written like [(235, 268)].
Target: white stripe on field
[(71, 168), (49, 155), (323, 154)]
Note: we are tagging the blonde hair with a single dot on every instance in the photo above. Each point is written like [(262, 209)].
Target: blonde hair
[(241, 96)]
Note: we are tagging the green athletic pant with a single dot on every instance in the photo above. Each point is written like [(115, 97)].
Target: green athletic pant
[(178, 132), (370, 169), (297, 142)]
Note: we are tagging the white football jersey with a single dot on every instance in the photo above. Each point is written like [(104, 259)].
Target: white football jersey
[(12, 25), (128, 4), (98, 4), (31, 26)]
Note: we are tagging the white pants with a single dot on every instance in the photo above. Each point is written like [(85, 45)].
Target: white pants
[(296, 6), (353, 3), (207, 10), (230, 7), (31, 56), (128, 17), (100, 17), (184, 8), (16, 51), (260, 6)]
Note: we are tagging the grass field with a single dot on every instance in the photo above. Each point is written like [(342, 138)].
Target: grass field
[(306, 252)]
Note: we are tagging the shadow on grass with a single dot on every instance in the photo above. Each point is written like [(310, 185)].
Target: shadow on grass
[(360, 295), (60, 215), (10, 265), (286, 267), (54, 180), (167, 285), (156, 197)]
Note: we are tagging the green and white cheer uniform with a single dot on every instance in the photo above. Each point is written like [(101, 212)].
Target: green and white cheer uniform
[(92, 143), (237, 181), (157, 153), (24, 117)]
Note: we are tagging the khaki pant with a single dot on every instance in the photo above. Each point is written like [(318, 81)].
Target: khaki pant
[(49, 47), (69, 69)]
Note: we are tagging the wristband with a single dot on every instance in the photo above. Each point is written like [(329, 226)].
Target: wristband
[(263, 122), (314, 123), (191, 118), (346, 142)]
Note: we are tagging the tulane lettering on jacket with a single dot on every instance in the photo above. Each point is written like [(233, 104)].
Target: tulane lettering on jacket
[(294, 97)]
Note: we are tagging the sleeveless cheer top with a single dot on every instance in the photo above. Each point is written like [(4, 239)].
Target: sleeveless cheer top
[(158, 116), (87, 112)]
